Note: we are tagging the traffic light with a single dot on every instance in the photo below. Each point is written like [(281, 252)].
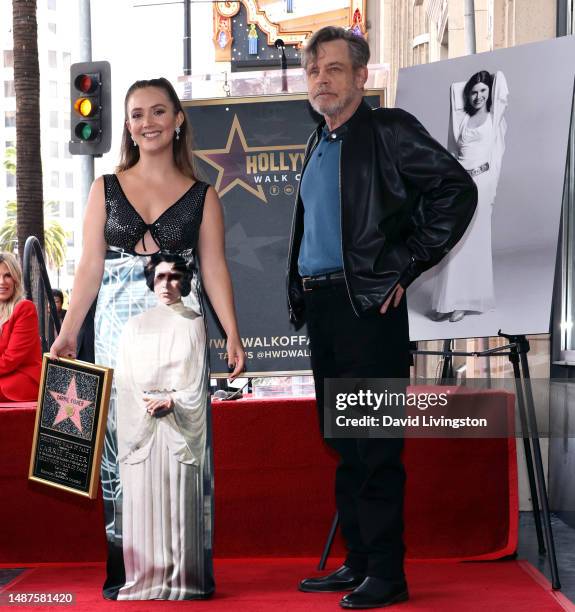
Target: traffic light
[(91, 108)]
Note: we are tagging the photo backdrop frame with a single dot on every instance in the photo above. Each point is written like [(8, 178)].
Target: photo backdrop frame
[(527, 205)]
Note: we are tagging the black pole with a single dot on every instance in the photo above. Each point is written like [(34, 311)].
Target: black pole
[(539, 472), (284, 70), (447, 369), (562, 26), (280, 46), (329, 542), (187, 38), (514, 359)]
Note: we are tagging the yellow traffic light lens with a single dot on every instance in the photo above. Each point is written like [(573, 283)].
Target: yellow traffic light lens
[(84, 107)]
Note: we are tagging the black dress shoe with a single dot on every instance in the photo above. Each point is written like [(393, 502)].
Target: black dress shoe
[(343, 579), (376, 593)]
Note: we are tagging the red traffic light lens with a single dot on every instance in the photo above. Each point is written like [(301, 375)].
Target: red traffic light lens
[(85, 83)]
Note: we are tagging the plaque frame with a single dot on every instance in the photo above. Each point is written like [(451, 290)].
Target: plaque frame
[(46, 436)]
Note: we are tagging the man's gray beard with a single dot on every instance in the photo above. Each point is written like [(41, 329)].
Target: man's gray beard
[(335, 109)]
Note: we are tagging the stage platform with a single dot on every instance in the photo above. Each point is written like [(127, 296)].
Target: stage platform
[(274, 491)]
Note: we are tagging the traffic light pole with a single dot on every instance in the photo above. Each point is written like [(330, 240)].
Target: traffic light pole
[(187, 48), (187, 39), (86, 161)]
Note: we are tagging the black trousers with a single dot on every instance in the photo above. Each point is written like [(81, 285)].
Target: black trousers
[(370, 478)]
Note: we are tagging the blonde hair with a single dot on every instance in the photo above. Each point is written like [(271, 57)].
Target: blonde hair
[(7, 308)]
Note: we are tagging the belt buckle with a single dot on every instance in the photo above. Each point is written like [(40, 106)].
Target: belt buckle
[(307, 281)]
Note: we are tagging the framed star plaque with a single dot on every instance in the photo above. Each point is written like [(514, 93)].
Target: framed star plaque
[(70, 425)]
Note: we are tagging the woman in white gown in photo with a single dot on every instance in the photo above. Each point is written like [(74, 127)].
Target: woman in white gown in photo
[(160, 375), (477, 138)]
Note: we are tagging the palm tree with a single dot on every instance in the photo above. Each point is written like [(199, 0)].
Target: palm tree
[(54, 235), (30, 217)]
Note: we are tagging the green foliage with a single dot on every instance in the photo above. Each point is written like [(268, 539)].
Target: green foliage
[(54, 235), (10, 160)]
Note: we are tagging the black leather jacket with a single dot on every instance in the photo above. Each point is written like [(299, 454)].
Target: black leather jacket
[(405, 202)]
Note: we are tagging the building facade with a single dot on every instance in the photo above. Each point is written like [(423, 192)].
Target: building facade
[(421, 31), (55, 48)]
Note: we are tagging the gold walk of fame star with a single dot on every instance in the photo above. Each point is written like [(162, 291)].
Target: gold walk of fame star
[(230, 162)]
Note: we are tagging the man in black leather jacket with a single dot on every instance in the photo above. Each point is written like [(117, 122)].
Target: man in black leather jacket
[(379, 202)]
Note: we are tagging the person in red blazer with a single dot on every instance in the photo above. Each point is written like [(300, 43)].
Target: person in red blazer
[(20, 352)]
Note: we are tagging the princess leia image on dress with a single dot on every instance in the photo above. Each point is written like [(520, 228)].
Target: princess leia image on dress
[(464, 282), (161, 383)]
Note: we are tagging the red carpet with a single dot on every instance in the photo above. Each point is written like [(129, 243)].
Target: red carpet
[(254, 585), (274, 491)]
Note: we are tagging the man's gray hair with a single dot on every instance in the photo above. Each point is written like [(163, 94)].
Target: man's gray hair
[(357, 45)]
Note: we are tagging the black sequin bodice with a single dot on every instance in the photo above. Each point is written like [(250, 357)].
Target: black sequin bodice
[(176, 229)]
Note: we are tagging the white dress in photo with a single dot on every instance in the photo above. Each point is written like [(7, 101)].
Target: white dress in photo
[(465, 277), (161, 353)]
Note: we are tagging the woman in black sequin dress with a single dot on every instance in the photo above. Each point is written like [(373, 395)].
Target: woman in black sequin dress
[(158, 506)]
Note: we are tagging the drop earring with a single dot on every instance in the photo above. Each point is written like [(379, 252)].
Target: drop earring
[(178, 133), (134, 141)]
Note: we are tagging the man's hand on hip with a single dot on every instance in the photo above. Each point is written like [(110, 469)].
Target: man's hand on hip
[(395, 297)]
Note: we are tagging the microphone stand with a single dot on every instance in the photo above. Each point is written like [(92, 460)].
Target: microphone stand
[(280, 46)]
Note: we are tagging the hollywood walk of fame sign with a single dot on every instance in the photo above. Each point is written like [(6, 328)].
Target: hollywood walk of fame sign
[(251, 150), (70, 425)]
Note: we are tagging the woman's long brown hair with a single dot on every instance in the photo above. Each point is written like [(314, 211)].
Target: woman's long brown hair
[(182, 147)]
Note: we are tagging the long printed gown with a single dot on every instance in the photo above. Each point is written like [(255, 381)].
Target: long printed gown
[(156, 472), (465, 276)]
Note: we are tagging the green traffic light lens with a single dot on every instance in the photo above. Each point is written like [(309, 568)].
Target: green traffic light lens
[(85, 131)]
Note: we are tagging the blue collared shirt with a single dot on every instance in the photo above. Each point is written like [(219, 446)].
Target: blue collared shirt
[(320, 249)]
